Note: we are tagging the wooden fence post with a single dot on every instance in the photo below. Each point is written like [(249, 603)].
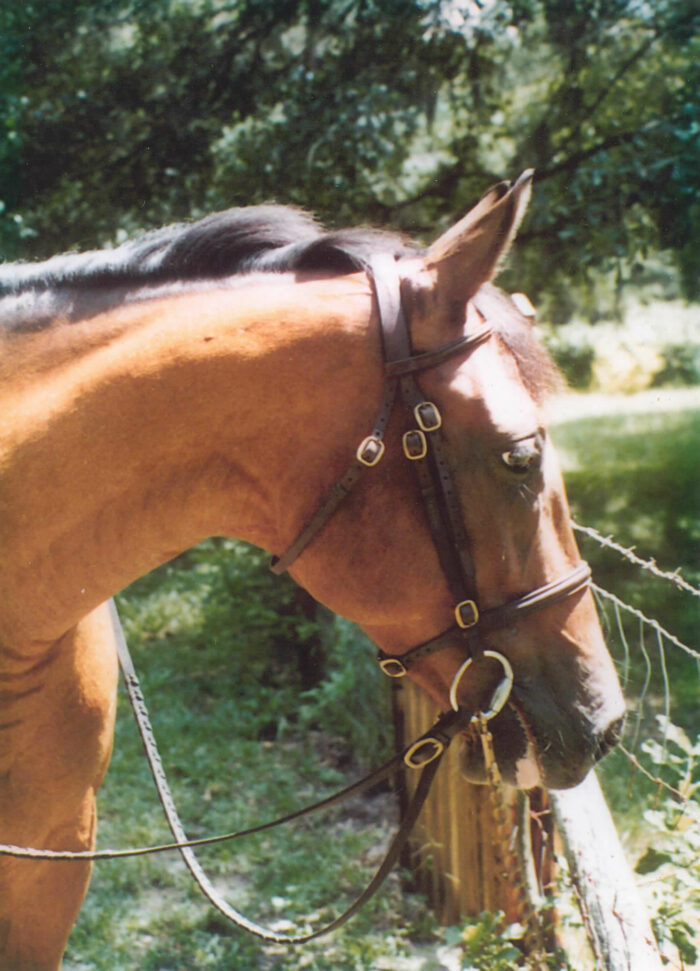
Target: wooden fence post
[(454, 854), (618, 926)]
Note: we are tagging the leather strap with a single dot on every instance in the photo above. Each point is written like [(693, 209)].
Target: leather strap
[(338, 492), (444, 730), (435, 478), (400, 365), (429, 359), (493, 618)]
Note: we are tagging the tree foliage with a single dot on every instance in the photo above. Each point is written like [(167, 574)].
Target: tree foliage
[(125, 114)]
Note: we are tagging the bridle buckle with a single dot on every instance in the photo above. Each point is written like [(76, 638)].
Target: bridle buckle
[(415, 445), (393, 667), (467, 614), (423, 751), (370, 450), (428, 416)]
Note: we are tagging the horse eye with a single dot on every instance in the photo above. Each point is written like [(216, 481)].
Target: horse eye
[(523, 458)]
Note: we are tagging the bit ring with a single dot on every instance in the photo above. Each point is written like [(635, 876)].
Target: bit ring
[(501, 692)]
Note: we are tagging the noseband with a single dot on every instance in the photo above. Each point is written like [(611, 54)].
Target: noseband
[(424, 447)]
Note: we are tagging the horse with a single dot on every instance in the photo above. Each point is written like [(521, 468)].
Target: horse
[(223, 377)]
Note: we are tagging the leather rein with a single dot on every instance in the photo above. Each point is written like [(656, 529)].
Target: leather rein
[(424, 447)]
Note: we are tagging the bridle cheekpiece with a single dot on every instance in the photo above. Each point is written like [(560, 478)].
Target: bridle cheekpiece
[(424, 446)]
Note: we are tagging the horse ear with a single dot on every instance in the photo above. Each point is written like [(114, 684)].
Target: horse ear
[(469, 253)]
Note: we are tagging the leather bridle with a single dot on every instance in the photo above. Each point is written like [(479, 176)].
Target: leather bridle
[(424, 447)]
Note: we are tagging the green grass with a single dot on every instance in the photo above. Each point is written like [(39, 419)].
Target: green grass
[(636, 476), (229, 659), (242, 741)]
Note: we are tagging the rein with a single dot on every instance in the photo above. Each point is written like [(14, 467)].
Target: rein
[(424, 754), (424, 447)]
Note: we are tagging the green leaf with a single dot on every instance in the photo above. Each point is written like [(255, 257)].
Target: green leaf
[(651, 860)]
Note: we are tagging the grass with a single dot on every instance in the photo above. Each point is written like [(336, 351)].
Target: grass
[(637, 478), (241, 743), (229, 660)]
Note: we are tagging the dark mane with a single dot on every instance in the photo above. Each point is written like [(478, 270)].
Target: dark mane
[(237, 241), (256, 238)]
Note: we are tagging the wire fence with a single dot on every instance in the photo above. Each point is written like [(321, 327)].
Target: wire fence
[(657, 758), (628, 552), (653, 641)]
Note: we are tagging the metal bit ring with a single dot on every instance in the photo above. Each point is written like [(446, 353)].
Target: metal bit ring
[(501, 692)]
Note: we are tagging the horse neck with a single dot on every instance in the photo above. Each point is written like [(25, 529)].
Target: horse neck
[(135, 434)]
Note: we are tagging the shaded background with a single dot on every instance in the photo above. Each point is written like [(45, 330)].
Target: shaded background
[(124, 114)]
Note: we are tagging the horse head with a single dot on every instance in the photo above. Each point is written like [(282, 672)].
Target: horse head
[(565, 708)]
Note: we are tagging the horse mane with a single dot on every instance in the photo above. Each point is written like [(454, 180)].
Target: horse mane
[(267, 238), (270, 238)]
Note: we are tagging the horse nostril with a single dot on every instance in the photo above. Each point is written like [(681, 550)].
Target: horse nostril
[(609, 739)]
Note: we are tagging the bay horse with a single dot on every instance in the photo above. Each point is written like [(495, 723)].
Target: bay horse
[(215, 379)]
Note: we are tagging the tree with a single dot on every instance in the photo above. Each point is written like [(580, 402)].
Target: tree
[(123, 114)]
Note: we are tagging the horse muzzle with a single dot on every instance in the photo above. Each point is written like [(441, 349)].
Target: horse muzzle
[(531, 754)]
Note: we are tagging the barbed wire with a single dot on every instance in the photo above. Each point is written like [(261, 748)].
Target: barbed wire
[(628, 553), (650, 566), (661, 783), (649, 621)]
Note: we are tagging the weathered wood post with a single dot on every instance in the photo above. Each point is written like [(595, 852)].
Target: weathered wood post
[(618, 926), (454, 856)]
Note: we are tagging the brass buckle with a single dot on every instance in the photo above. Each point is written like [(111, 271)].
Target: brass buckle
[(370, 450), (393, 667), (501, 692), (428, 417), (464, 621), (415, 445), (412, 757)]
